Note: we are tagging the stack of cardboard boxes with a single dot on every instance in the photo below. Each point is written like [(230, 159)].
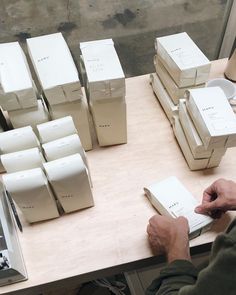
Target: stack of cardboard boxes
[(203, 122), (104, 82), (60, 82), (18, 94)]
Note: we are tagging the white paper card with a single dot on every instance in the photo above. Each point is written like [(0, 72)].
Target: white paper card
[(69, 179), (22, 160), (171, 198), (56, 129), (31, 192), (18, 140)]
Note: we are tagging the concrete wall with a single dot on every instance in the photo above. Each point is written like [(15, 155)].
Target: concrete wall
[(132, 24)]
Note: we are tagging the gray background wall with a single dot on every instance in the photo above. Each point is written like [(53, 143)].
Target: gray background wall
[(133, 25)]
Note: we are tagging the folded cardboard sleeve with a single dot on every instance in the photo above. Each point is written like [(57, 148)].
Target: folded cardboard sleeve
[(69, 179), (171, 198)]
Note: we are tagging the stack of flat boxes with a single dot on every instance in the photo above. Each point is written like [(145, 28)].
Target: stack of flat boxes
[(179, 65), (105, 88), (18, 94), (58, 77), (182, 70)]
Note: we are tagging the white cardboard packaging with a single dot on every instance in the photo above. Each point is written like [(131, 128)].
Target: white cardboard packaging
[(195, 143), (103, 69), (173, 90), (184, 61), (213, 116), (56, 129), (30, 116), (172, 199), (31, 192), (63, 147), (55, 68), (17, 90), (216, 157), (69, 179), (22, 160), (11, 251), (17, 140), (110, 121), (78, 110), (194, 164), (163, 97)]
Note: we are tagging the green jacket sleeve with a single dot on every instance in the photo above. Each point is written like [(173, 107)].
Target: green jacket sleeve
[(219, 277)]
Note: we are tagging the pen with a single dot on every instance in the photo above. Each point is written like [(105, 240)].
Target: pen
[(14, 211)]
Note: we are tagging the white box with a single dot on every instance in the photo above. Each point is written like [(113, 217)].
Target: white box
[(31, 192), (184, 61), (173, 90), (103, 69), (163, 97), (30, 116), (56, 129), (22, 160), (78, 110), (216, 157), (55, 68), (194, 164), (110, 120), (14, 269), (17, 140), (172, 199), (195, 143), (17, 90), (212, 116), (69, 179)]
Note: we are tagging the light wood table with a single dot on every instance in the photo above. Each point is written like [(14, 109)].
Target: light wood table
[(111, 237)]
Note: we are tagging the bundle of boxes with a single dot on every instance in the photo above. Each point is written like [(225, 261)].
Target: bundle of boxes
[(44, 189), (203, 121), (18, 94), (104, 82)]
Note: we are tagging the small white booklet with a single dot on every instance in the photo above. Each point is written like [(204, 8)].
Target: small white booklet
[(171, 198)]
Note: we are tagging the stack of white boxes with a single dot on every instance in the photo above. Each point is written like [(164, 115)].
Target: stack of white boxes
[(205, 127), (38, 187), (180, 65), (18, 94), (105, 88), (60, 82), (203, 123)]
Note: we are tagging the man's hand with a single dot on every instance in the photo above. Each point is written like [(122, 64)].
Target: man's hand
[(169, 236), (218, 198)]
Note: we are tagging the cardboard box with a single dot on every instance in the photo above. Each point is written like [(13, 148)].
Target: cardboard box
[(110, 121), (172, 199), (13, 267), (173, 90), (69, 179), (31, 192), (184, 61), (56, 129), (78, 110), (216, 157), (55, 68), (194, 164), (195, 143), (212, 116), (22, 160), (30, 116), (103, 70), (17, 90), (17, 140), (163, 97)]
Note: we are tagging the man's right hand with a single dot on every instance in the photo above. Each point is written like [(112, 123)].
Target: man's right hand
[(218, 198)]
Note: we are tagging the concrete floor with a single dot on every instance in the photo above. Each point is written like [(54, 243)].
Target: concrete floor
[(132, 24)]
